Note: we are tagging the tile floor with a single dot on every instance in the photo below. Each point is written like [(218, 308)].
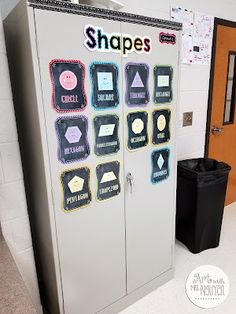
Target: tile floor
[(14, 297), (168, 299)]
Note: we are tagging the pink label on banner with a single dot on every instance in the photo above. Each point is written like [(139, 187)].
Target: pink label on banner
[(68, 80)]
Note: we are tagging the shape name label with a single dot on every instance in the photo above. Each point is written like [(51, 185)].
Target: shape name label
[(137, 92), (161, 126), (137, 129), (68, 85), (108, 180), (72, 138), (160, 165), (106, 134), (163, 84), (76, 190), (104, 77)]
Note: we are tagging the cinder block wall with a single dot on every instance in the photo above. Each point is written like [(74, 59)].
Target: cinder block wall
[(13, 209)]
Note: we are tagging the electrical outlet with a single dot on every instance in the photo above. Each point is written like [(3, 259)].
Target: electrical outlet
[(187, 119)]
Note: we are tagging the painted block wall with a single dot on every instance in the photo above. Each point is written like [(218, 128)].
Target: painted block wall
[(13, 208), (194, 85)]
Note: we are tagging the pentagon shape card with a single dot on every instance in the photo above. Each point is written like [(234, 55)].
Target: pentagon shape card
[(160, 165), (137, 92), (108, 180), (163, 84), (161, 126), (72, 138), (104, 77), (106, 134), (137, 129), (68, 85), (76, 189)]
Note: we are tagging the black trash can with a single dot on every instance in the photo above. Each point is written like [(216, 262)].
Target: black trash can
[(201, 189)]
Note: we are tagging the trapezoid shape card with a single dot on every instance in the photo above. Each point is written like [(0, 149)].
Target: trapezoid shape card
[(72, 138), (108, 180), (106, 135), (68, 85), (137, 129), (160, 165), (137, 92), (161, 126), (76, 188), (104, 77), (163, 84)]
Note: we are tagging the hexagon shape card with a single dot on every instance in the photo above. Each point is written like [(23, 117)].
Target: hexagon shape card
[(72, 138)]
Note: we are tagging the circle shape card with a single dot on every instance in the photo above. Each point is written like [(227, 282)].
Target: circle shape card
[(137, 129), (104, 78), (68, 85), (72, 138), (160, 165), (137, 92), (76, 189), (108, 180), (163, 84), (161, 126), (106, 135)]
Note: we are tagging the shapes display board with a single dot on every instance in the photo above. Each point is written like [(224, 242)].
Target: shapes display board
[(137, 129), (106, 134), (161, 126), (160, 165), (108, 180), (76, 190), (68, 85), (104, 77), (137, 92), (162, 84), (72, 138)]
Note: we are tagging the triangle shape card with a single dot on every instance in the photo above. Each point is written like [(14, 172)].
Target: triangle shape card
[(137, 82)]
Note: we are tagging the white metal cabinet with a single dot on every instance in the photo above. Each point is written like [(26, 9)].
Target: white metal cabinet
[(104, 256)]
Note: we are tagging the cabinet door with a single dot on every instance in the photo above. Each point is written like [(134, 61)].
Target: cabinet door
[(91, 238), (150, 83)]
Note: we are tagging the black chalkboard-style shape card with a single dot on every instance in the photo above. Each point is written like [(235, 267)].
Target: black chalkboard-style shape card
[(106, 134), (104, 77), (160, 165), (137, 129), (68, 92), (161, 126), (108, 180), (72, 138), (163, 84), (76, 188), (137, 91)]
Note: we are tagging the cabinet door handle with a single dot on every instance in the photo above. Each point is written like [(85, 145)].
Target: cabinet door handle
[(130, 181)]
